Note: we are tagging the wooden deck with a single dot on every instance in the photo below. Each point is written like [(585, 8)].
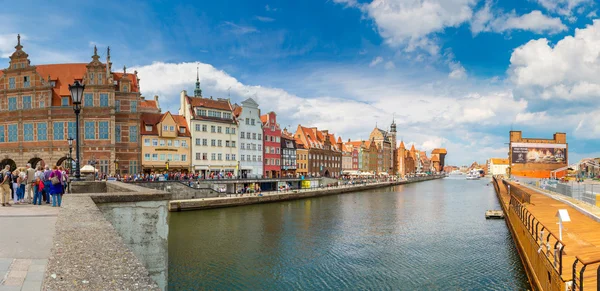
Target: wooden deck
[(581, 236)]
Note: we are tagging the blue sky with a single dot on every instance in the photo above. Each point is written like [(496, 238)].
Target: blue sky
[(454, 73)]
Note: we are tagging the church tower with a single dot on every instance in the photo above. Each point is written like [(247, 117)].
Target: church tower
[(197, 91), (394, 153)]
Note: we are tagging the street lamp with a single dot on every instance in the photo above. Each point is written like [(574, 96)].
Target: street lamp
[(76, 94), (116, 166), (167, 165), (70, 141)]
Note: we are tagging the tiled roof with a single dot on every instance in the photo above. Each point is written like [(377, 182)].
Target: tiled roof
[(439, 151), (181, 122), (221, 104), (131, 77), (153, 119), (237, 110), (148, 104), (264, 118), (402, 145), (435, 158)]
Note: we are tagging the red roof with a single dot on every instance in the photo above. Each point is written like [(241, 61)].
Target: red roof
[(264, 118), (148, 104), (220, 104), (131, 77), (152, 119)]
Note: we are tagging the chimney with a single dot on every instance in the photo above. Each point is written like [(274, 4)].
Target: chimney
[(157, 104)]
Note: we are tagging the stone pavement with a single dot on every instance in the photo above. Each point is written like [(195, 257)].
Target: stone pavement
[(25, 243)]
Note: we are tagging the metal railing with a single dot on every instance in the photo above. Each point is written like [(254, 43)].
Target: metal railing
[(584, 192), (578, 281)]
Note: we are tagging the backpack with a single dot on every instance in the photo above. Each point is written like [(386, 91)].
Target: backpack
[(2, 177)]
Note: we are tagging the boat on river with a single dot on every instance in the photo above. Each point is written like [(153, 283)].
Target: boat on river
[(473, 175)]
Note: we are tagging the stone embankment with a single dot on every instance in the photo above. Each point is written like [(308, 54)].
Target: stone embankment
[(267, 197)]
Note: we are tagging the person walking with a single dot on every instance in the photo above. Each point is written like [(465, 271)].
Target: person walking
[(38, 186), (21, 180), (4, 186), (29, 183), (47, 184), (56, 188)]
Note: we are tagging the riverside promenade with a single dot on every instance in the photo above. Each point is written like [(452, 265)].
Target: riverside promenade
[(277, 196), (552, 263)]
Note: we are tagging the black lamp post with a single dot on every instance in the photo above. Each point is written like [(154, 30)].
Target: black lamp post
[(70, 140), (76, 95)]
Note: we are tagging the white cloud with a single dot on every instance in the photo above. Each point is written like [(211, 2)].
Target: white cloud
[(564, 7), (486, 20), (457, 71), (239, 29), (271, 9), (567, 70), (376, 61), (264, 18), (389, 65), (8, 43), (592, 14)]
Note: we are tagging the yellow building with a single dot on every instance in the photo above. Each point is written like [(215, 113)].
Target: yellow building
[(165, 143)]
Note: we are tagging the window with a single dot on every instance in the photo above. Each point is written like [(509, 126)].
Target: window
[(125, 88), (176, 143), (260, 136), (11, 83), (146, 157), (218, 129), (117, 105), (227, 157), (88, 100), (165, 128), (12, 103), (272, 128), (266, 138), (204, 127), (71, 129), (205, 142), (147, 142), (253, 146), (183, 158), (169, 143), (220, 157), (58, 130), (202, 112), (277, 150), (226, 143), (171, 128), (162, 142), (220, 143), (170, 157), (254, 158), (91, 78), (227, 115), (259, 158), (1, 133), (103, 130), (162, 157), (133, 106), (204, 156), (213, 142), (214, 114), (243, 159), (42, 104), (100, 80), (64, 101), (226, 130), (154, 142), (184, 144), (277, 139), (267, 162), (42, 131), (198, 156), (233, 130), (212, 128), (253, 135), (248, 158), (233, 143), (133, 133), (181, 129), (28, 132), (233, 157), (252, 121), (213, 156), (243, 146), (271, 138), (90, 130), (197, 127), (104, 101), (242, 134), (176, 157), (247, 121), (197, 141), (277, 162), (26, 102), (12, 132), (155, 157), (260, 147), (148, 127)]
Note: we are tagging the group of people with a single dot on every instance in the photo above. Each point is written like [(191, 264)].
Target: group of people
[(39, 185)]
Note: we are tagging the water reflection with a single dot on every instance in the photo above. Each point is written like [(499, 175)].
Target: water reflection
[(144, 229), (424, 236)]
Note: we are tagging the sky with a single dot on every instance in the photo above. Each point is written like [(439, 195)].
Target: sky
[(458, 74)]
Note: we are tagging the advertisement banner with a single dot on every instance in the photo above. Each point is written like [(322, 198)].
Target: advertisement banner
[(532, 153)]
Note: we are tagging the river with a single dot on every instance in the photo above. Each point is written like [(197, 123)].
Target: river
[(423, 236)]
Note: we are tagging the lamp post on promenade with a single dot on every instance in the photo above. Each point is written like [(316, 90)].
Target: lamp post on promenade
[(76, 94), (117, 166), (70, 141)]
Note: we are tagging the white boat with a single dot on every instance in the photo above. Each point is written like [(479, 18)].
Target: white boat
[(456, 173), (473, 175)]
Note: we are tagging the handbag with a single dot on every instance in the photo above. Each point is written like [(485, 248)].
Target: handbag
[(55, 180)]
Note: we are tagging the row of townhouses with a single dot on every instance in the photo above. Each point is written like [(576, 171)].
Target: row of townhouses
[(122, 132)]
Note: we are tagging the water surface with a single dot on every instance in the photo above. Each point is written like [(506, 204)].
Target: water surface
[(424, 236)]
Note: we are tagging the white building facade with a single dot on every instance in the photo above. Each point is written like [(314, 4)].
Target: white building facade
[(498, 167), (214, 132), (250, 139)]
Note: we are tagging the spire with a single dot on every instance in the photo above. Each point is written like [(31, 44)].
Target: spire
[(197, 91), (19, 46), (95, 57)]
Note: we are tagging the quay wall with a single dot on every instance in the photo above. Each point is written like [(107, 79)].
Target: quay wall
[(200, 204), (540, 271)]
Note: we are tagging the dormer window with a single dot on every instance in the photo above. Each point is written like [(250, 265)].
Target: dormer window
[(125, 88), (148, 127), (91, 78), (181, 129)]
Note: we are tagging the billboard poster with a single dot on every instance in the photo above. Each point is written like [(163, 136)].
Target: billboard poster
[(539, 153)]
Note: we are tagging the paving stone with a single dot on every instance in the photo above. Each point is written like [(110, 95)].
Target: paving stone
[(13, 281), (17, 274), (34, 276), (21, 265), (32, 286), (10, 288), (37, 268), (39, 262), (5, 263)]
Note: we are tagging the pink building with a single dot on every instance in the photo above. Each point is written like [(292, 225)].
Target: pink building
[(272, 145)]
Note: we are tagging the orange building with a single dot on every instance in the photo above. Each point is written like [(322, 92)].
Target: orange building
[(324, 154), (438, 157), (537, 157)]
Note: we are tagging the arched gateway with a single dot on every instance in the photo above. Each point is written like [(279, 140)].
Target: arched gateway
[(13, 165), (36, 162)]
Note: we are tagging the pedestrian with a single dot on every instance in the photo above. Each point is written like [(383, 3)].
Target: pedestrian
[(64, 180), (4, 186), (56, 188), (29, 183), (38, 185), (47, 184), (21, 180)]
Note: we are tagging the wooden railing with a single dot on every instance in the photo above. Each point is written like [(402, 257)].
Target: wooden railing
[(579, 281)]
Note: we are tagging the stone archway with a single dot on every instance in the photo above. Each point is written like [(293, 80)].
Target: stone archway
[(36, 162), (13, 165), (64, 162), (326, 173)]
